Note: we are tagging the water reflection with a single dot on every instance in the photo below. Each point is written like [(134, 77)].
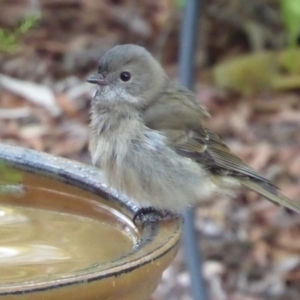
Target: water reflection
[(35, 243)]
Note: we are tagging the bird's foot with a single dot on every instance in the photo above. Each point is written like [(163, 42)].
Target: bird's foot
[(150, 215)]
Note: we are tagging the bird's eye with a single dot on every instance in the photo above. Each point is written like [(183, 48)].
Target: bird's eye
[(125, 76)]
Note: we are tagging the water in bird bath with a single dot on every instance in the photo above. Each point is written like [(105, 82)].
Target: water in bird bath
[(52, 229)]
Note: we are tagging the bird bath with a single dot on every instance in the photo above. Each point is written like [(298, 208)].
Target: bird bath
[(65, 235)]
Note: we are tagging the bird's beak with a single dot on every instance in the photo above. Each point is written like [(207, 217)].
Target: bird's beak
[(97, 79)]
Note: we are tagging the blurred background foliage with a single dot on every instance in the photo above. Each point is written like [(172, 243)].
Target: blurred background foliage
[(229, 29), (248, 75), (9, 39)]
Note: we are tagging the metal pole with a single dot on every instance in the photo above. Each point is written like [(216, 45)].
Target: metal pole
[(186, 67)]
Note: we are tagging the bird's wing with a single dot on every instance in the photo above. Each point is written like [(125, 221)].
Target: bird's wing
[(189, 138), (178, 114), (176, 108), (210, 152)]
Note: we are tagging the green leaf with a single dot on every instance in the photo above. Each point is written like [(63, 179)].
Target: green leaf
[(290, 11), (9, 39), (28, 23)]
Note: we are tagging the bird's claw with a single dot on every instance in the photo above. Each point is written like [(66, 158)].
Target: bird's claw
[(150, 215)]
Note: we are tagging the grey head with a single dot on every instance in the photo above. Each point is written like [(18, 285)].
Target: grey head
[(128, 73)]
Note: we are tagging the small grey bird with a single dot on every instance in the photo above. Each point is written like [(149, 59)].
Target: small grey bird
[(147, 136)]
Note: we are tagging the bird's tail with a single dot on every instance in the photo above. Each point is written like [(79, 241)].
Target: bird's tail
[(270, 192)]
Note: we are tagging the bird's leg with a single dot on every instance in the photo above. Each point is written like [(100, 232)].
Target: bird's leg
[(151, 214)]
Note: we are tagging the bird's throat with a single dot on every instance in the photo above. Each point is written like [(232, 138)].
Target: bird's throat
[(110, 118)]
